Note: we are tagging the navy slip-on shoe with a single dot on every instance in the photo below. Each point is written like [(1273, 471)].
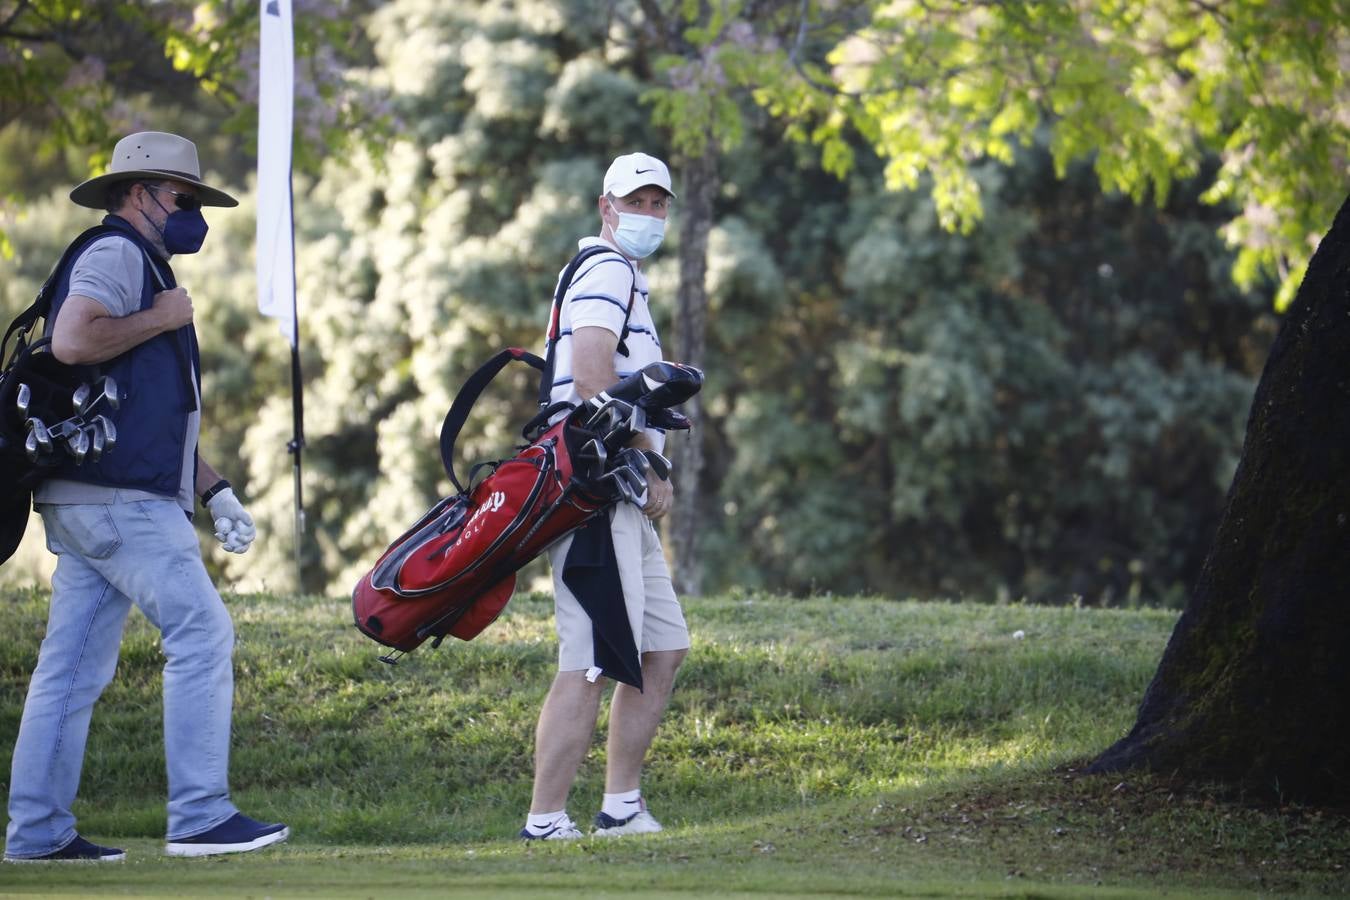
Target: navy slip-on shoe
[(237, 834), (78, 850)]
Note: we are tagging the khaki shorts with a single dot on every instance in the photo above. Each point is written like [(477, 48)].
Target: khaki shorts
[(654, 611)]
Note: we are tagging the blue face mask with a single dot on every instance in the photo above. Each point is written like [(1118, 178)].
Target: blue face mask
[(638, 236), (184, 230)]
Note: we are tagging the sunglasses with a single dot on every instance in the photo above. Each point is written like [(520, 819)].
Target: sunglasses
[(182, 201)]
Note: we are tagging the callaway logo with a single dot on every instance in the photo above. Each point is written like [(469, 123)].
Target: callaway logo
[(493, 503), (644, 171)]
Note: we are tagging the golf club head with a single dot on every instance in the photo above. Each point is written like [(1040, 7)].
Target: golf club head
[(77, 444), (591, 459), (637, 481), (668, 420), (98, 441), (109, 431), (659, 464), (107, 386), (607, 410), (22, 397), (79, 401), (637, 484), (634, 459), (616, 438), (618, 486), (623, 422), (37, 431), (637, 420)]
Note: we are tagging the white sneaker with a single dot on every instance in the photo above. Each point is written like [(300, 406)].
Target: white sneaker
[(640, 822), (563, 829)]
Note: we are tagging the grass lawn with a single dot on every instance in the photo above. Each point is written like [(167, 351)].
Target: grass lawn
[(815, 747)]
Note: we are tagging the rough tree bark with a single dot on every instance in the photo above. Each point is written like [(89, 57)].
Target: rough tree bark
[(1254, 686), (698, 192)]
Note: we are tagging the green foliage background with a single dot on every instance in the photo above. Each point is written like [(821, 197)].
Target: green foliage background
[(1050, 406)]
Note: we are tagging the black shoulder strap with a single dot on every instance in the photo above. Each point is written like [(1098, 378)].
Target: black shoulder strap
[(179, 350), (627, 314), (42, 306), (555, 317), (459, 410)]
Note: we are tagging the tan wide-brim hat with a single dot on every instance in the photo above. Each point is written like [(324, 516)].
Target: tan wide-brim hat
[(151, 155)]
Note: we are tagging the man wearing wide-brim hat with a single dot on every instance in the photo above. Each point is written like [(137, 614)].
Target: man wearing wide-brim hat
[(120, 524)]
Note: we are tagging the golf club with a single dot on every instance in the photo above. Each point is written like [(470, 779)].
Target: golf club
[(659, 464), (632, 457), (616, 484), (668, 420), (37, 429), (22, 397), (637, 481), (637, 419), (79, 401), (78, 446), (38, 443), (98, 440), (109, 430), (592, 456), (107, 391)]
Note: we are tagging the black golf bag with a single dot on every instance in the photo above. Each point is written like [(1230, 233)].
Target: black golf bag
[(50, 412)]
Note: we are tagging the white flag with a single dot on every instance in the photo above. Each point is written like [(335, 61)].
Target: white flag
[(276, 88)]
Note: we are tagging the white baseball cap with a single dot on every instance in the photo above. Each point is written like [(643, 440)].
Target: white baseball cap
[(634, 170)]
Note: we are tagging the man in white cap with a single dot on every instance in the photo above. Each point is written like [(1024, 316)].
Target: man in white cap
[(606, 333), (121, 526)]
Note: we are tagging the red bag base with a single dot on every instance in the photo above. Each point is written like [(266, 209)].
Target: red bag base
[(404, 624)]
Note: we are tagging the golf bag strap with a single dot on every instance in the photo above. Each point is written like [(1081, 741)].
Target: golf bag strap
[(23, 323), (459, 410), (555, 317), (183, 362)]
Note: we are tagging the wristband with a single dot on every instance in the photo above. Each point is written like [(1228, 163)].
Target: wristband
[(221, 485)]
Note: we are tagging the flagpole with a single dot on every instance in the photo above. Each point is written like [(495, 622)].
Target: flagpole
[(297, 444), (276, 222)]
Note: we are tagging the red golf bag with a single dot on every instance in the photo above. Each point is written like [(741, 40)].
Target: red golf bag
[(454, 571)]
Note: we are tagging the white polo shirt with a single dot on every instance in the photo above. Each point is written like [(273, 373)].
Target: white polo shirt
[(598, 298)]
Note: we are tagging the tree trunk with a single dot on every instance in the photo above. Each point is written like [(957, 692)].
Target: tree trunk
[(1254, 687), (695, 212)]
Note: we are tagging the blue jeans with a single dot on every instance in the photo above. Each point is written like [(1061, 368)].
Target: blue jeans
[(109, 556)]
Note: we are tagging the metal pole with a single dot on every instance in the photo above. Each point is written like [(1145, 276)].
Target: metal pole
[(297, 444)]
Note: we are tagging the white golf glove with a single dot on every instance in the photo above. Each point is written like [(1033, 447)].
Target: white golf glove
[(234, 526)]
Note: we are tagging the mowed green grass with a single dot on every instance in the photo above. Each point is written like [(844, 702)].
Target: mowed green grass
[(814, 747)]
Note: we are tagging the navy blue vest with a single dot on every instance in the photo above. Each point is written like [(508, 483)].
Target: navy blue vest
[(157, 392)]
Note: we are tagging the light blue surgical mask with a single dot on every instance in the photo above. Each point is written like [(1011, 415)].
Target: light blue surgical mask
[(636, 235)]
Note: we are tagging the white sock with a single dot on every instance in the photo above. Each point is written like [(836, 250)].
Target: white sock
[(623, 806), (538, 823)]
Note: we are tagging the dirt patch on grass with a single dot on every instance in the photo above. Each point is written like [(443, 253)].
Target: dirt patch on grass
[(1064, 825)]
